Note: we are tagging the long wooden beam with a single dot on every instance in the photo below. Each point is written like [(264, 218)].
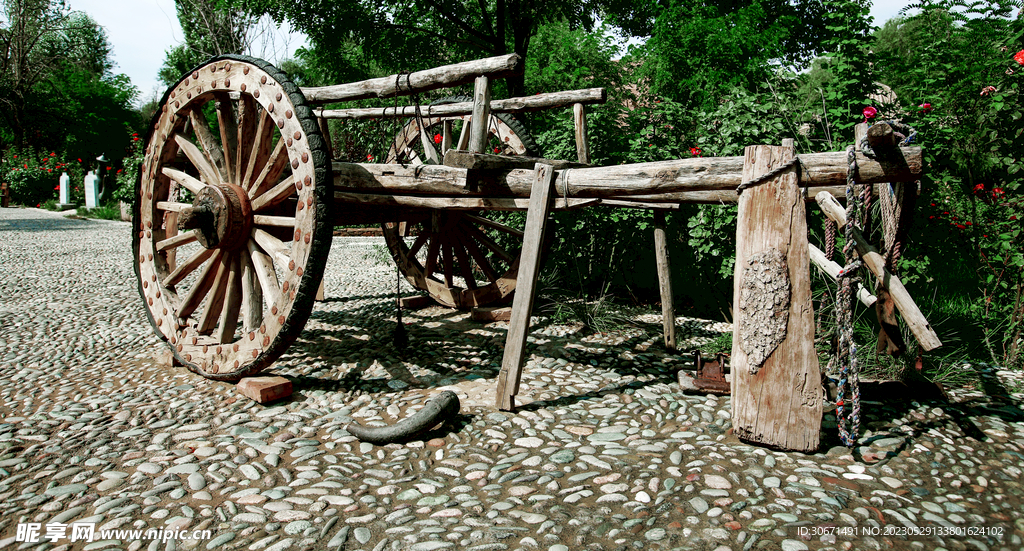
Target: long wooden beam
[(709, 180), (420, 81), (510, 105)]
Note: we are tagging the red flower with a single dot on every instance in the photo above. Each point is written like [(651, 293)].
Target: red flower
[(26, 165), (1014, 217), (497, 150), (52, 154), (925, 107), (437, 138), (988, 90), (869, 112), (369, 157), (1019, 57), (79, 160), (56, 188), (961, 226), (695, 151)]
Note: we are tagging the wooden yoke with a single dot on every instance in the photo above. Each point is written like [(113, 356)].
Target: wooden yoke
[(776, 383)]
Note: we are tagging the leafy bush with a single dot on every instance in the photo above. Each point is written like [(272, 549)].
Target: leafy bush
[(34, 177)]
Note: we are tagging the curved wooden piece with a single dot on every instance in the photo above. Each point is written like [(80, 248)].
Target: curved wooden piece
[(224, 310)]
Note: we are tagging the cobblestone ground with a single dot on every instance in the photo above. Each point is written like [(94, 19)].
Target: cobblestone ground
[(607, 453)]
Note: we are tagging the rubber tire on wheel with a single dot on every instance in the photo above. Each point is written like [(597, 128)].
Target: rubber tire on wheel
[(236, 317)]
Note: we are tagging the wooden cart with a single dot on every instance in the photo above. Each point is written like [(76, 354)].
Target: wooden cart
[(234, 224)]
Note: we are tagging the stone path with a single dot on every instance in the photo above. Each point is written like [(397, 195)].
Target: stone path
[(607, 452)]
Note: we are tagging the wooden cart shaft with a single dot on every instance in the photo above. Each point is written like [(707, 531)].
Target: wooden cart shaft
[(665, 183)]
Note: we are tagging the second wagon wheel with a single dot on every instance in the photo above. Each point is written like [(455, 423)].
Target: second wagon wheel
[(232, 223), (461, 259)]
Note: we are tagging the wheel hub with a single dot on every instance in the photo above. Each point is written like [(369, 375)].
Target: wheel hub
[(220, 215)]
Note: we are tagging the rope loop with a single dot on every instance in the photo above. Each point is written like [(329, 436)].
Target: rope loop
[(794, 162)]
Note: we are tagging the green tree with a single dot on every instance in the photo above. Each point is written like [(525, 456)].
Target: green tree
[(211, 28), (415, 34)]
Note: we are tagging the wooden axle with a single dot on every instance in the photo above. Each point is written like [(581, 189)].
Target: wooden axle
[(511, 105), (420, 81)]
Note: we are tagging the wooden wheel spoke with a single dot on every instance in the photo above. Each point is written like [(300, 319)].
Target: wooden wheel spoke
[(232, 303), (210, 144), (247, 120), (185, 180), (271, 171), (278, 221), (206, 170), (495, 225), (215, 297), (447, 262), (172, 206), (170, 230), (176, 241), (432, 253), (465, 270), (464, 135), (228, 134), (187, 267), (480, 258), (446, 136), (429, 151), (252, 296), (264, 266), (202, 287), (489, 243), (274, 247), (418, 243), (260, 153), (275, 195)]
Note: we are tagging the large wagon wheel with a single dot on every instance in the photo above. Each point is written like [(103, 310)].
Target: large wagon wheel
[(232, 217), (456, 257)]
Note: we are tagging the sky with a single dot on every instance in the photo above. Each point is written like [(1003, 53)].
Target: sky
[(141, 31)]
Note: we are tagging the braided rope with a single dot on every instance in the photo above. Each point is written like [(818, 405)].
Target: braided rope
[(846, 352), (830, 238), (795, 161)]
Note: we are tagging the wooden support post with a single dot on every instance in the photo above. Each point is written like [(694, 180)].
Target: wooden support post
[(833, 269), (918, 324), (776, 382), (526, 287), (668, 315), (325, 130), (481, 114), (579, 119)]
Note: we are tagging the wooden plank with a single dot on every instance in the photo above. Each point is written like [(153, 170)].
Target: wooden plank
[(481, 114), (265, 389), (916, 321), (419, 81), (778, 402), (668, 315), (462, 108), (579, 121), (833, 269), (427, 143), (526, 288), (491, 313)]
